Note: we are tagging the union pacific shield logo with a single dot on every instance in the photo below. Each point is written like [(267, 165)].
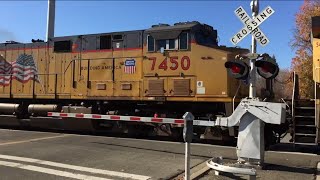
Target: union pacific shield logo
[(130, 66)]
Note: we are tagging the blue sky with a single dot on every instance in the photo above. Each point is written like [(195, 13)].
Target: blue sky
[(26, 20)]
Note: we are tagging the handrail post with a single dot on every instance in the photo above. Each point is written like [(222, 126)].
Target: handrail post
[(56, 86), (10, 86), (33, 87)]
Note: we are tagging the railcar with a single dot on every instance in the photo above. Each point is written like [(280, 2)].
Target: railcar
[(163, 71)]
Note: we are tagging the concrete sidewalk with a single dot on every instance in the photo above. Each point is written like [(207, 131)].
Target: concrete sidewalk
[(285, 164)]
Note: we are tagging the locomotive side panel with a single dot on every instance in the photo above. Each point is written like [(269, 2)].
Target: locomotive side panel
[(316, 70), (97, 65), (4, 88), (24, 69), (13, 52), (51, 73), (40, 53), (128, 64), (169, 70), (65, 75), (104, 66), (170, 75), (211, 76)]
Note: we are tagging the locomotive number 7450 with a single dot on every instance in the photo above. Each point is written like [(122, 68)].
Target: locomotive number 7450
[(173, 64)]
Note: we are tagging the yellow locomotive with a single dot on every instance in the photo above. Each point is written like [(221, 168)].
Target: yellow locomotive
[(162, 71)]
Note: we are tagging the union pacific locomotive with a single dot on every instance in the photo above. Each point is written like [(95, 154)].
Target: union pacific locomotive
[(162, 71)]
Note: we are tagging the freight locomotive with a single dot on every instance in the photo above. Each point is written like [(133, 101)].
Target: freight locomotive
[(162, 71)]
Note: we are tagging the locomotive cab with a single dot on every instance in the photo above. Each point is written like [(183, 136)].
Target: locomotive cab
[(182, 62)]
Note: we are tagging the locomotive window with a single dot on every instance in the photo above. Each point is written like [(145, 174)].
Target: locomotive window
[(62, 46), (150, 43), (172, 43), (161, 43), (169, 44), (117, 37), (105, 42), (183, 40)]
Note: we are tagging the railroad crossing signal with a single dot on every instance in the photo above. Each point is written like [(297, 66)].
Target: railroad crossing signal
[(267, 67), (237, 69), (251, 25)]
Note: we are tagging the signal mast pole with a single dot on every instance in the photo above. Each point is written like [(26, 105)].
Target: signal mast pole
[(252, 89)]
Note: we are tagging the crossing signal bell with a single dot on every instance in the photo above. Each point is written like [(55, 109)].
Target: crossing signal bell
[(237, 69), (267, 67)]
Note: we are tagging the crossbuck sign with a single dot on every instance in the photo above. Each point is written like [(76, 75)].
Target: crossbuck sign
[(252, 25)]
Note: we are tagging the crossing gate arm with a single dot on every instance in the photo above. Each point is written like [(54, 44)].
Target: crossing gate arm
[(131, 118), (273, 113)]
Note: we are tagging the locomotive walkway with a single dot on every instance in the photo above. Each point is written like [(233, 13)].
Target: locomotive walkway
[(46, 155)]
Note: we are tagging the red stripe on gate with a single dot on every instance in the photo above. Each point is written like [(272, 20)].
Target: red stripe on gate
[(49, 113), (63, 115), (156, 120), (179, 121), (115, 117), (79, 115), (135, 119), (96, 116)]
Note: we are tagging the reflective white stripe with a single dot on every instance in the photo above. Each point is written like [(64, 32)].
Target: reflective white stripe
[(77, 168), (131, 118), (50, 171)]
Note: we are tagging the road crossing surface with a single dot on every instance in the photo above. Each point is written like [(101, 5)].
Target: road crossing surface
[(46, 155)]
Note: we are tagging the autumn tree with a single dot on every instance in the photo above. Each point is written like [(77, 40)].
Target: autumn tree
[(301, 42), (282, 86)]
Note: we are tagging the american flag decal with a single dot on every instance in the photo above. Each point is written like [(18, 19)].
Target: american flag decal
[(23, 70), (130, 66)]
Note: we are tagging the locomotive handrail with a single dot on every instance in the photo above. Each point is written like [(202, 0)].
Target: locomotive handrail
[(36, 74), (87, 59), (108, 58), (294, 96), (168, 75), (235, 95)]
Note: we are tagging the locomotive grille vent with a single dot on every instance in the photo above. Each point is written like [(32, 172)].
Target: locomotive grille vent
[(156, 87), (126, 86), (181, 87), (101, 86)]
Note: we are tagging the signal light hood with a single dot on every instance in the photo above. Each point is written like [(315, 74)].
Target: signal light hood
[(267, 67)]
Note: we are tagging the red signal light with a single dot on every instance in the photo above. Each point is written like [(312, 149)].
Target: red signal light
[(267, 68), (235, 69)]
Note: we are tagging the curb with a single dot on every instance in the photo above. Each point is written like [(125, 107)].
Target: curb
[(195, 171), (318, 171)]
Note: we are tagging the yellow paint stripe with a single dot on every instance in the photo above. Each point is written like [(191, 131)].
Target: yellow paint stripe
[(34, 139)]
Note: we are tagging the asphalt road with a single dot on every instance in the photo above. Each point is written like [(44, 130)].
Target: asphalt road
[(44, 155)]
